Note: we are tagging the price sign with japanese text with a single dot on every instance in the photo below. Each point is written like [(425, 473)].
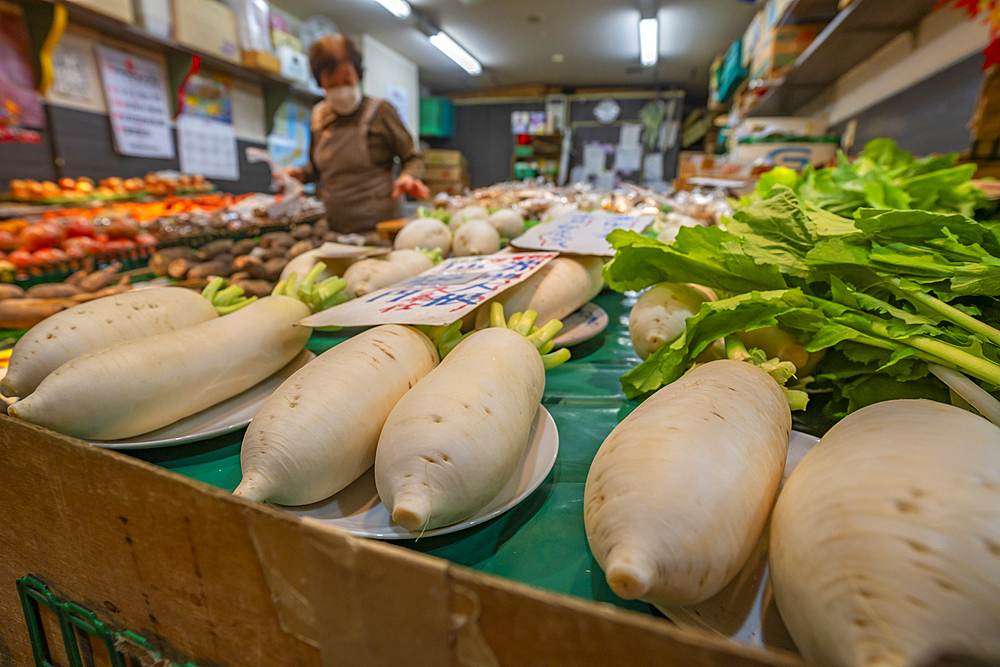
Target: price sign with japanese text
[(441, 295), (580, 233)]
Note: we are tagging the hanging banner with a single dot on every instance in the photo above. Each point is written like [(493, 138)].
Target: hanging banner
[(137, 104), (441, 295)]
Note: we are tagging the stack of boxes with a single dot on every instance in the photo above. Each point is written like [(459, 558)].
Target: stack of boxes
[(769, 49), (446, 171)]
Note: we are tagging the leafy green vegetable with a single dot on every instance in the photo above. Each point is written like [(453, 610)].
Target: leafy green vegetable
[(436, 213), (883, 177), (884, 294)]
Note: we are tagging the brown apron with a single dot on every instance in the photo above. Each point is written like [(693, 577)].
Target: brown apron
[(356, 191)]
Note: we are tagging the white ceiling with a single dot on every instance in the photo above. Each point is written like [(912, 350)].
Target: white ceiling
[(598, 39)]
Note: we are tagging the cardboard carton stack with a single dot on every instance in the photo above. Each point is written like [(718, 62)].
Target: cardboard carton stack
[(447, 171)]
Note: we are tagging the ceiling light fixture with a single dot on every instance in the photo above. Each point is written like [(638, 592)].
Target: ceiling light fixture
[(649, 42), (450, 48), (398, 8)]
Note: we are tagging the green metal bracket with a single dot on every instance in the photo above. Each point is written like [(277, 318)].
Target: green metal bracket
[(72, 619)]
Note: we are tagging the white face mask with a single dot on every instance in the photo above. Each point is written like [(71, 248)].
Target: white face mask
[(344, 99)]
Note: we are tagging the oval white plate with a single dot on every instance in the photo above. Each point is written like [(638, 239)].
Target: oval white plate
[(582, 325), (229, 415), (744, 610), (358, 510)]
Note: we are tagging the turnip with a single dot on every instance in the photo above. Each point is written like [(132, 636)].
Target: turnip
[(102, 322), (679, 493), (454, 440), (426, 233), (659, 315), (133, 387), (464, 215), (368, 275), (297, 450), (508, 222), (554, 291), (476, 237), (885, 542)]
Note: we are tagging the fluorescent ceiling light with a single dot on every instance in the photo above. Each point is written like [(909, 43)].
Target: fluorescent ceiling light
[(450, 48), (649, 41), (399, 8)]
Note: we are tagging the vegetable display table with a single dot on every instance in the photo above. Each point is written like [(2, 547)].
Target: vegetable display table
[(541, 541)]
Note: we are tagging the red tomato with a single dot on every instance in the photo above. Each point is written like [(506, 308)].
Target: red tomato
[(34, 237), (119, 244), (78, 227), (46, 255), (20, 258), (73, 250), (84, 244), (7, 241), (145, 239)]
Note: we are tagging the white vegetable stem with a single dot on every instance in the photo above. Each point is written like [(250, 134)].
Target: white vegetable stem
[(99, 323), (885, 542), (367, 275), (134, 387), (660, 315), (554, 291), (476, 237), (679, 493), (976, 396), (426, 233), (317, 433)]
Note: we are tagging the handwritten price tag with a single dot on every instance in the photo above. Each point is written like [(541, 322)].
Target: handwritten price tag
[(442, 295), (580, 233)]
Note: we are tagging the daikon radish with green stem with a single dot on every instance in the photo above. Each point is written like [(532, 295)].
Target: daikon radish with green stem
[(454, 440), (318, 431), (367, 275), (113, 319), (554, 291), (134, 387), (679, 493)]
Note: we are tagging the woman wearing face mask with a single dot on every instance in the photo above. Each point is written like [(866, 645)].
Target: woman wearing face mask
[(355, 140)]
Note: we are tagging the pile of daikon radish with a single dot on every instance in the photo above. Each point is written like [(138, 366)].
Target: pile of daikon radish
[(884, 543), (128, 364), (472, 230), (444, 437)]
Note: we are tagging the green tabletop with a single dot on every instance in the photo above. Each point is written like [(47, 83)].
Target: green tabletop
[(542, 540)]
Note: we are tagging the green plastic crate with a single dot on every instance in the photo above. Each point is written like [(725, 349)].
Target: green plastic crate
[(437, 117)]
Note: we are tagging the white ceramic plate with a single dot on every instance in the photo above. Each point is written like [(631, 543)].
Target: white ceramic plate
[(358, 510), (229, 415), (582, 325), (744, 610)]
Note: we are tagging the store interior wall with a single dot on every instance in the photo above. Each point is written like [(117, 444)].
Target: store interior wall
[(389, 76), (931, 117)]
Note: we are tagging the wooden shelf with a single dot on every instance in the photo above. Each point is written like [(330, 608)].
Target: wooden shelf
[(854, 35), (808, 11)]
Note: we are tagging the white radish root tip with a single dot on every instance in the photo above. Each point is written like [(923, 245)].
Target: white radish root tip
[(411, 512), (630, 577)]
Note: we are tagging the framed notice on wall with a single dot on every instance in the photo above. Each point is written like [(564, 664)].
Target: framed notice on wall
[(137, 104)]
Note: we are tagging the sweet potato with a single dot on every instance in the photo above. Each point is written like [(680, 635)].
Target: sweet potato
[(210, 250), (209, 269), (53, 291), (10, 292), (26, 313), (243, 247), (99, 279)]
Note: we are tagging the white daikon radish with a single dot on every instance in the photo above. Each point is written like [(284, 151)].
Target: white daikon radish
[(99, 323), (660, 314), (454, 440), (134, 387), (558, 211), (885, 542), (368, 275), (508, 222), (476, 237), (554, 291), (679, 493), (428, 233), (301, 264), (464, 215), (317, 433)]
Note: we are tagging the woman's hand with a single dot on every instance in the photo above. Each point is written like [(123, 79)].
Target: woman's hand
[(413, 187), (294, 172)]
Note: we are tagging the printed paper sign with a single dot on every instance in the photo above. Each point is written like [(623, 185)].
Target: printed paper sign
[(442, 295), (580, 233), (208, 147), (137, 104)]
